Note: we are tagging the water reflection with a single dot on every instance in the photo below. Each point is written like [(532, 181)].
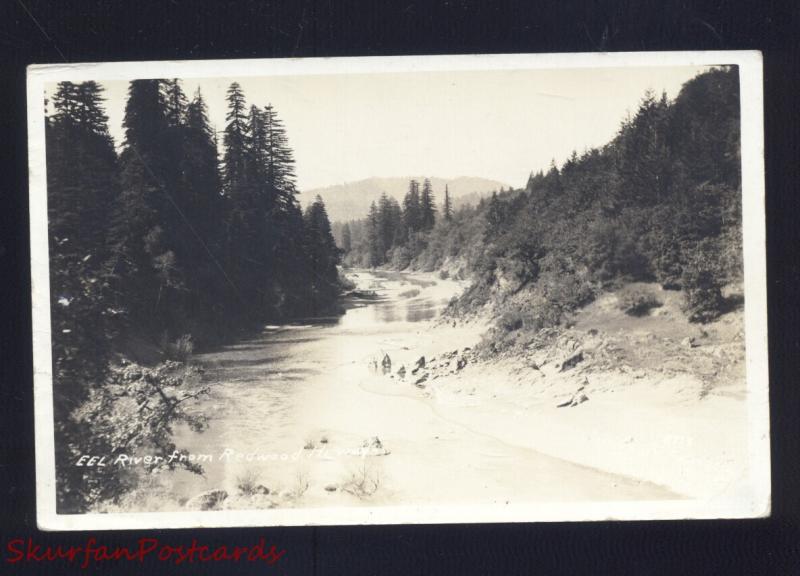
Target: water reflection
[(386, 312), (419, 311)]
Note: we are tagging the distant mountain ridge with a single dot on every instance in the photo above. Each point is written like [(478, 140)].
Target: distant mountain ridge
[(351, 200)]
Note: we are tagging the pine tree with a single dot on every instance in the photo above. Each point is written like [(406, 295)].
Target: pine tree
[(235, 141), (143, 265), (201, 171), (282, 209), (411, 208), (644, 158), (203, 207), (347, 240), (246, 245), (176, 102), (323, 253), (531, 183), (375, 246), (494, 215), (390, 222), (447, 208), (279, 157), (84, 165), (427, 206), (82, 182)]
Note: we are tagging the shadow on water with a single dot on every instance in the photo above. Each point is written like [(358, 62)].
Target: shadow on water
[(386, 312), (259, 344), (421, 311), (266, 370), (231, 363)]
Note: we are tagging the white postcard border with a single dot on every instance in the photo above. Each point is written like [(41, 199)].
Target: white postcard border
[(755, 504)]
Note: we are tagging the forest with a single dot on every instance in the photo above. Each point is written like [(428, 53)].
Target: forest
[(158, 247), (660, 202)]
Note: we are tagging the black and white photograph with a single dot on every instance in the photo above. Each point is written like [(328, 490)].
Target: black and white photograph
[(399, 290)]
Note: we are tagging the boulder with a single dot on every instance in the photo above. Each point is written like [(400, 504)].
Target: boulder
[(373, 442), (461, 363), (572, 360), (419, 381), (374, 447), (211, 500), (689, 342), (578, 398)]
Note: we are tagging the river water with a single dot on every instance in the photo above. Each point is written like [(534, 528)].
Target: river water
[(292, 408), (268, 393)]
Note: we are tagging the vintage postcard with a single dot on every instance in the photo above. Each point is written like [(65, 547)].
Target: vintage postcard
[(506, 288)]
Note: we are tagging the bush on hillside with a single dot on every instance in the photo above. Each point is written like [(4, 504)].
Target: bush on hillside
[(530, 316), (638, 301), (702, 285), (180, 350)]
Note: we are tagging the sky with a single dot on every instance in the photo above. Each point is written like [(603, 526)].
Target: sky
[(497, 124)]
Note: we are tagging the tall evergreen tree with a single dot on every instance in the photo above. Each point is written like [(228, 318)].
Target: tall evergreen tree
[(82, 181), (494, 215), (322, 251), (201, 171), (643, 154), (412, 216), (347, 241), (246, 245), (203, 209), (447, 208), (235, 141), (143, 264), (375, 246), (176, 102), (279, 157), (390, 222), (427, 205)]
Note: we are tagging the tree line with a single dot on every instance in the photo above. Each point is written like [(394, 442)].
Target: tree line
[(164, 242), (391, 233)]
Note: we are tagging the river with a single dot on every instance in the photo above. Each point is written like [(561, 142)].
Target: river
[(292, 408)]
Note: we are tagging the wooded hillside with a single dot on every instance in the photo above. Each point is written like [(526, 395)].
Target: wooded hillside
[(660, 202)]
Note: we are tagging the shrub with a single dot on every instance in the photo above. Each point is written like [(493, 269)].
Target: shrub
[(531, 315), (703, 300), (638, 301), (134, 411), (247, 482), (362, 483), (345, 283), (180, 350), (511, 320)]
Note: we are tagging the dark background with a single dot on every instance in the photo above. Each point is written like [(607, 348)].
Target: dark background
[(38, 31)]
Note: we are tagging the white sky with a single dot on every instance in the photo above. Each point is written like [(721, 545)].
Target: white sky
[(495, 124)]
